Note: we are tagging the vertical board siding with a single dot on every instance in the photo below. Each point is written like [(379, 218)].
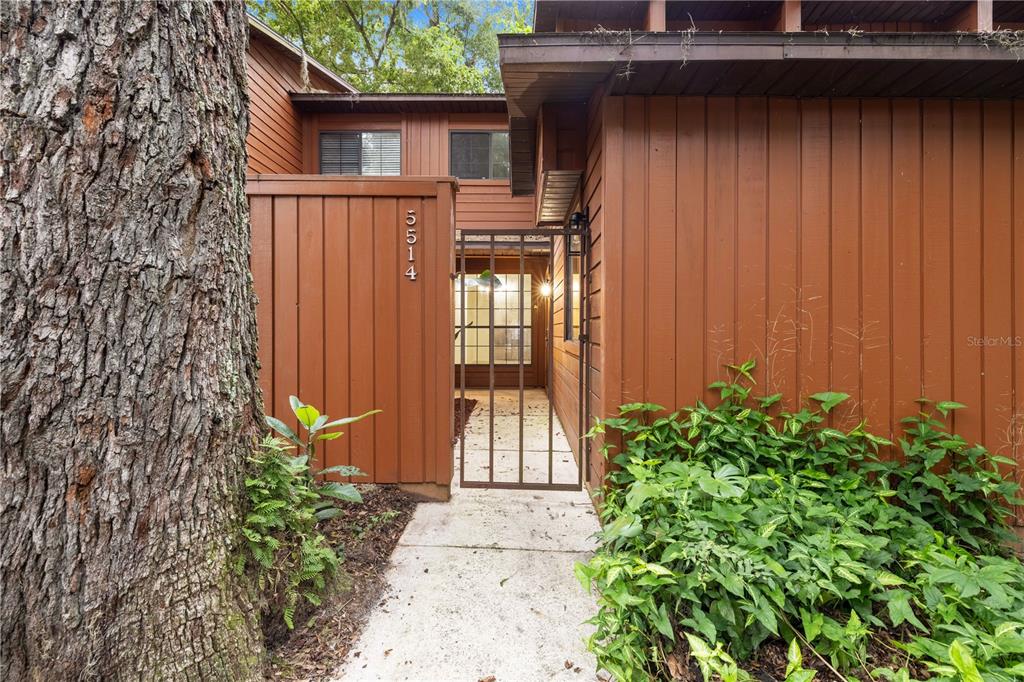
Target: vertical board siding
[(565, 372), (274, 142), (873, 247), (343, 328), (479, 204)]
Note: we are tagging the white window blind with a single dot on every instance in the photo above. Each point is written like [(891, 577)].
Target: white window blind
[(361, 153)]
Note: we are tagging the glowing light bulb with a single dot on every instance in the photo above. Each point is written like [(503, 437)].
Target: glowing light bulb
[(545, 289)]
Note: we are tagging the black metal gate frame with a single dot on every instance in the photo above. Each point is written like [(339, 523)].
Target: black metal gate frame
[(489, 239)]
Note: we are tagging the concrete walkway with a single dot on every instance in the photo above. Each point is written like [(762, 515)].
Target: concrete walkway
[(482, 587)]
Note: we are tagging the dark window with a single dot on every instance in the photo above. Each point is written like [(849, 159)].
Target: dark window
[(361, 153), (479, 156)]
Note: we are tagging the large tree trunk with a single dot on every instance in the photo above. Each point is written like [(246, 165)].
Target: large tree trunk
[(128, 347)]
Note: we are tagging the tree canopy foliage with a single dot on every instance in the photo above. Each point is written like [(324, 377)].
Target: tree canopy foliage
[(400, 45)]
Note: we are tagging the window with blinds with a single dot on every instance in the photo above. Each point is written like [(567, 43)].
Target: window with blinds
[(361, 153), (479, 155)]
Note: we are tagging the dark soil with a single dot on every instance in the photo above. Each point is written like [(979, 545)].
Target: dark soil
[(368, 532), (768, 664), (459, 426)]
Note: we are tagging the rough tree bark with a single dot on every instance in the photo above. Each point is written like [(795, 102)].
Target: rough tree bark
[(128, 347)]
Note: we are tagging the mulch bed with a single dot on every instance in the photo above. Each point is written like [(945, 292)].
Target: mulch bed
[(768, 664), (368, 532), (459, 426)]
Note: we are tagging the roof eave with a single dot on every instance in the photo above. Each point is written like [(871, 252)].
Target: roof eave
[(551, 67)]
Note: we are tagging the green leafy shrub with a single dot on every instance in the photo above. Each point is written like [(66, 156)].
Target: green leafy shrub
[(292, 557), (735, 526)]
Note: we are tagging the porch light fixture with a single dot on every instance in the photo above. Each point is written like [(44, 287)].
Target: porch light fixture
[(545, 289)]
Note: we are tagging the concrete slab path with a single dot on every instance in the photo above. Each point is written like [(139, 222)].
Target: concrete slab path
[(482, 587)]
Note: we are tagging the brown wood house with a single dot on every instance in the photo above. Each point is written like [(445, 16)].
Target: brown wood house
[(832, 188)]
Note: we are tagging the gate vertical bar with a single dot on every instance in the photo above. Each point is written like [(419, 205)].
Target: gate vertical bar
[(522, 333), (586, 381), (463, 326), (550, 350), (490, 303), (583, 341)]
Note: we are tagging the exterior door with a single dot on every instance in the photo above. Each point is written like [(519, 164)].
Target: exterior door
[(476, 324)]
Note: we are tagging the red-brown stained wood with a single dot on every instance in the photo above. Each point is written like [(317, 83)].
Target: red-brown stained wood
[(387, 347), (347, 330), (363, 329), (894, 247), (780, 366), (262, 264), (907, 228), (720, 248), (967, 267), (844, 302), (1017, 208), (997, 268), (815, 208), (691, 183), (876, 232), (936, 250), (661, 246), (275, 128), (752, 224), (336, 323), (479, 204), (311, 301), (286, 308)]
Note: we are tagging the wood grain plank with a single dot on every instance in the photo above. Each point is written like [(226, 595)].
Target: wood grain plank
[(691, 192), (262, 264), (337, 328), (783, 247), (967, 263), (907, 226), (311, 303), (364, 336), (936, 243), (997, 274), (846, 274), (752, 226), (720, 248), (876, 305), (661, 249), (386, 227), (635, 226), (286, 303), (815, 245)]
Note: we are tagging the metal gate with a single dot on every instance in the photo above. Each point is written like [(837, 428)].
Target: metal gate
[(519, 467)]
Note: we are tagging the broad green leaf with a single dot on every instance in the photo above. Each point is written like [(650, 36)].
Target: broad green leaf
[(962, 659), (283, 429), (947, 406), (829, 399), (661, 621), (307, 415), (330, 436), (342, 470), (349, 420), (341, 491)]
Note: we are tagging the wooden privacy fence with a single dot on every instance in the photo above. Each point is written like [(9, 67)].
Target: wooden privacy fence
[(355, 313)]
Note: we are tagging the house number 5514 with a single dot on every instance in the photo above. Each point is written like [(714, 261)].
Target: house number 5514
[(410, 240)]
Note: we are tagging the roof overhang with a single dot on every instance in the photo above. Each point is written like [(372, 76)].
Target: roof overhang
[(568, 67), (380, 103), (295, 53)]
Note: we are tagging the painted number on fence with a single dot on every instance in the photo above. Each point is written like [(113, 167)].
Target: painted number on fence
[(410, 240)]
